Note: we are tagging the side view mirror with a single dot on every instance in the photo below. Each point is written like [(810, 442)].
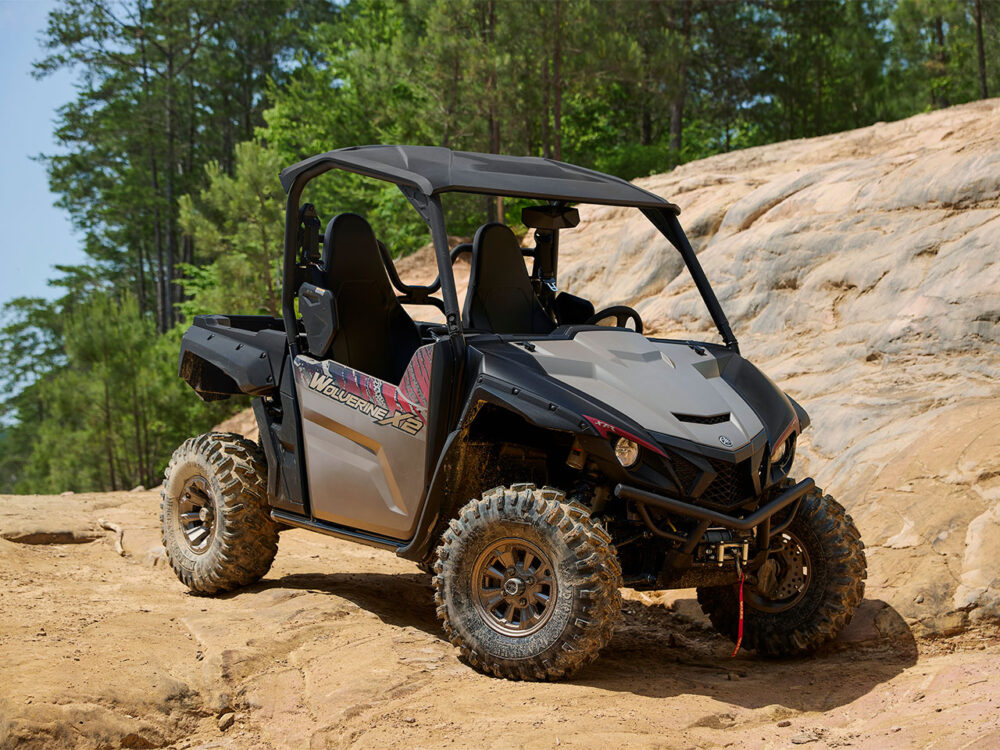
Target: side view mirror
[(319, 317)]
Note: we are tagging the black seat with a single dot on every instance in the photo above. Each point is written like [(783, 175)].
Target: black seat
[(376, 335), (501, 298)]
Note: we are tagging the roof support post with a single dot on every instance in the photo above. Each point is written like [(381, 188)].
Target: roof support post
[(289, 264), (666, 221), (429, 207)]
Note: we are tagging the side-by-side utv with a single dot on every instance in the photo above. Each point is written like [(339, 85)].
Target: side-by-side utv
[(536, 454)]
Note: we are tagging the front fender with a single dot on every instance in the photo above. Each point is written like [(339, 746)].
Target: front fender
[(538, 411)]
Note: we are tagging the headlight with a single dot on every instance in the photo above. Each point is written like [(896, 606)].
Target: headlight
[(781, 454), (627, 452)]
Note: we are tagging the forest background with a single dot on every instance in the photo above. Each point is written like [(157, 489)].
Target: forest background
[(185, 111)]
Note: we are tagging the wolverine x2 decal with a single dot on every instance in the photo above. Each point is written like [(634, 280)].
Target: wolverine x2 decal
[(386, 404)]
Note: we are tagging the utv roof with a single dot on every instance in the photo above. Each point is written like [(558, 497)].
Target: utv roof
[(432, 170)]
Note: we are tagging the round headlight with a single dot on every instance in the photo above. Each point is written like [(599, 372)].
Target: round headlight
[(781, 455), (627, 452)]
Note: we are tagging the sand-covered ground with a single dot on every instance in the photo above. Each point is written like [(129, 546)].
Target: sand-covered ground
[(338, 647)]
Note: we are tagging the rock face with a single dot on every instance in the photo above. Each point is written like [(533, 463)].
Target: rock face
[(861, 271)]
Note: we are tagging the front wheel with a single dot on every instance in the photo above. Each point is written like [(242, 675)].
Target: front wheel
[(526, 584), (815, 579)]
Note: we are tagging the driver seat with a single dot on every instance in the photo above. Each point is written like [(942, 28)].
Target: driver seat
[(376, 335), (500, 297)]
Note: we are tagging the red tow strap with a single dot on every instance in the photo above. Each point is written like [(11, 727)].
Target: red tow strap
[(739, 637)]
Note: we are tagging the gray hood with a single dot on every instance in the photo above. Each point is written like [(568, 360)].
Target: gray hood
[(651, 383)]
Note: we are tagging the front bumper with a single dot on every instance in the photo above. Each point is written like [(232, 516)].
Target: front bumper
[(706, 517)]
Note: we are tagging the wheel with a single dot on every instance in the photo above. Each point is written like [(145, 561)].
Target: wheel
[(815, 579), (526, 585), (216, 528)]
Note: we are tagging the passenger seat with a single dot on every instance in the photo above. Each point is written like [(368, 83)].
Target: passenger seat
[(376, 335), (501, 298)]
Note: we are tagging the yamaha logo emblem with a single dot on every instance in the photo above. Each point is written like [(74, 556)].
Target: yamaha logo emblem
[(725, 441)]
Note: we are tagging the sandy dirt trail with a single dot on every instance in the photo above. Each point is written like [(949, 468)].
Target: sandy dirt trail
[(338, 647)]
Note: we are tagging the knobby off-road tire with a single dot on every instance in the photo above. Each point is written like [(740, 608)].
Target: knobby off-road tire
[(835, 586), (216, 528), (572, 593)]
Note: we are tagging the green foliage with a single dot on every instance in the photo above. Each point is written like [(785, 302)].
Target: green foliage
[(187, 109), (935, 52), (165, 87), (110, 416), (238, 221)]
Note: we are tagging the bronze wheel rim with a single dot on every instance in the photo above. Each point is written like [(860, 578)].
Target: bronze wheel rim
[(514, 587), (196, 514), (793, 577)]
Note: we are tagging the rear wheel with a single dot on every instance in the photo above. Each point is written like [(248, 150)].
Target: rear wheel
[(213, 514), (526, 585), (814, 581)]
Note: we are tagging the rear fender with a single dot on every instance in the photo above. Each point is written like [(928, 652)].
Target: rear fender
[(223, 356)]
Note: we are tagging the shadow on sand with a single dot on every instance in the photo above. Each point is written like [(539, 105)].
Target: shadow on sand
[(658, 653)]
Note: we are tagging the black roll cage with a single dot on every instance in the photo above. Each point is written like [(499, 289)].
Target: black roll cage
[(664, 218)]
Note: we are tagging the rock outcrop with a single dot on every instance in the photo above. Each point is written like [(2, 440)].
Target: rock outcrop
[(861, 271)]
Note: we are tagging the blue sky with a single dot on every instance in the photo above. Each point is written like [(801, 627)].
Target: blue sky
[(36, 234)]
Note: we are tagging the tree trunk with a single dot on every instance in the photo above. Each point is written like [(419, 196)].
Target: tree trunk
[(141, 281), (557, 83), (546, 106), (226, 126), (139, 453), (942, 57), (456, 74), (817, 128), (983, 91), (171, 168), (107, 436), (159, 277), (494, 133), (150, 478), (187, 249), (494, 206), (272, 294), (680, 93), (646, 124), (495, 149), (161, 271)]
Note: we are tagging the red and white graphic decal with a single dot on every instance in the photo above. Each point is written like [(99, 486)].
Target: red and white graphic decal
[(606, 429), (383, 402), (416, 382)]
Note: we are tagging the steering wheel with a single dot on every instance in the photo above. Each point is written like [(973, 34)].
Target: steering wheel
[(621, 314)]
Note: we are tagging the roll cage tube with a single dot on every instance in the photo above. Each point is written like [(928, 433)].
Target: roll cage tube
[(429, 208), (666, 221)]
